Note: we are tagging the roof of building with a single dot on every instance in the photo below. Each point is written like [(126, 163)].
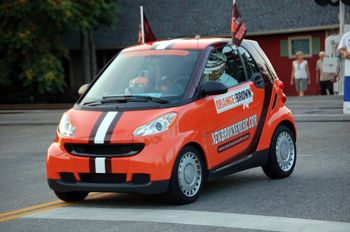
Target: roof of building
[(178, 18)]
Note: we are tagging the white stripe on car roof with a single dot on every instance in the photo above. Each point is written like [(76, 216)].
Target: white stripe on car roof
[(165, 44)]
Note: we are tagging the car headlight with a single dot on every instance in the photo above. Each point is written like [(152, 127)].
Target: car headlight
[(157, 125), (65, 127)]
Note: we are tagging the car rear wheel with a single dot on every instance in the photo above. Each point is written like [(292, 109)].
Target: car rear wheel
[(71, 196), (187, 177), (282, 154)]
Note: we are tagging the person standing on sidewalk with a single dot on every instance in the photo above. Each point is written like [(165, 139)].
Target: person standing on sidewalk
[(325, 80), (344, 50), (300, 74), (344, 46)]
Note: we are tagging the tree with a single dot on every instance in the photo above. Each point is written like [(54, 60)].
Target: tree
[(31, 42)]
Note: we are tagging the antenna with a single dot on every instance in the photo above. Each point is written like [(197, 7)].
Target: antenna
[(197, 37)]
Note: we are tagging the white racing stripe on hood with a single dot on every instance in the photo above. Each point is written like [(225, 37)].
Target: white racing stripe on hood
[(102, 129)]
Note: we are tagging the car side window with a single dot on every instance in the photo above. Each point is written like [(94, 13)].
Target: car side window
[(220, 67), (234, 66), (249, 62)]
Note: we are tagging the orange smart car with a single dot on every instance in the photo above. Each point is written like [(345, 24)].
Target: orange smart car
[(166, 117)]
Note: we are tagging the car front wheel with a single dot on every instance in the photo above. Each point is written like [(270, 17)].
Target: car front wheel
[(282, 154), (187, 177), (71, 196)]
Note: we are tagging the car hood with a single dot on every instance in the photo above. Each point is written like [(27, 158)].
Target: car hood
[(110, 126)]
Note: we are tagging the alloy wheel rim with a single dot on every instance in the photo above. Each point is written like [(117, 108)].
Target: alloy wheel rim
[(190, 174), (285, 151)]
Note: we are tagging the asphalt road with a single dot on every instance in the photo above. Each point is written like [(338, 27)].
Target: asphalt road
[(248, 201)]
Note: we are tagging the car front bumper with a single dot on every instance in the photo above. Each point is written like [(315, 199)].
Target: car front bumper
[(148, 172)]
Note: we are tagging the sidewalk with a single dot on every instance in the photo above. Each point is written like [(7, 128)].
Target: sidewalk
[(32, 114), (317, 108), (30, 117), (36, 106)]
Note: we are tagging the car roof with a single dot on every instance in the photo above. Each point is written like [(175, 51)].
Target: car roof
[(182, 43)]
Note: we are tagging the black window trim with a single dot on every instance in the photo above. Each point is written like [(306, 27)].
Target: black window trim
[(245, 67)]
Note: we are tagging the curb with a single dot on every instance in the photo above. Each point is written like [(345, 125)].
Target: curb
[(59, 106), (28, 123)]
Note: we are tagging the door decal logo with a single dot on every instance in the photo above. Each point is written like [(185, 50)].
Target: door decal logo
[(233, 130), (230, 100)]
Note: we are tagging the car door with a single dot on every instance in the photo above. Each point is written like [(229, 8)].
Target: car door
[(232, 118)]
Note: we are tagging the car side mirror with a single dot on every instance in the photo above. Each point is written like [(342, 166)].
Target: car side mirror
[(214, 88), (258, 80), (83, 89)]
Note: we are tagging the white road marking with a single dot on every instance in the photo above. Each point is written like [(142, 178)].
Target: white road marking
[(100, 166), (102, 129), (189, 217)]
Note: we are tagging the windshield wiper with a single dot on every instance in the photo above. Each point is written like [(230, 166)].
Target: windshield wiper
[(127, 98), (136, 98)]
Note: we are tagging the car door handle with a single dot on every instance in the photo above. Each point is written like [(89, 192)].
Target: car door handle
[(258, 80)]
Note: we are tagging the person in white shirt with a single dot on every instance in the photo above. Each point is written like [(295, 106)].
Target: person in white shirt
[(324, 79), (344, 50), (344, 46), (300, 74)]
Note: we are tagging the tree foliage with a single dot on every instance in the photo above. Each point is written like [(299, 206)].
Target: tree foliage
[(31, 41)]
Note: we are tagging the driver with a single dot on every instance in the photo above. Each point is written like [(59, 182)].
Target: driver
[(138, 85), (215, 69)]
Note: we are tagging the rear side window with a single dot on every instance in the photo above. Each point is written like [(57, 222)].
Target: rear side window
[(249, 62)]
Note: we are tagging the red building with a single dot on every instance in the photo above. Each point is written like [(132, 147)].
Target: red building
[(279, 49), (281, 27)]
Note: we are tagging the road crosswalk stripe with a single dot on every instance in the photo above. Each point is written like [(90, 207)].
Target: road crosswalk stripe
[(189, 217)]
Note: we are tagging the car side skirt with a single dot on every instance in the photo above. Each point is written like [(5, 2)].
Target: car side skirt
[(256, 159)]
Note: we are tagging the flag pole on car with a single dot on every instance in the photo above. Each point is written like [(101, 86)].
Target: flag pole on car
[(145, 32), (142, 26), (238, 27)]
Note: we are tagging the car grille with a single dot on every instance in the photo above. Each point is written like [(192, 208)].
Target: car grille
[(105, 150)]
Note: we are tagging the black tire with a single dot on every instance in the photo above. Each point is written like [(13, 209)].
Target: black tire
[(272, 169), (71, 196), (175, 193)]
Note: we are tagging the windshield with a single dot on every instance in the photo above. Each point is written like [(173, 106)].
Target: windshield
[(156, 74)]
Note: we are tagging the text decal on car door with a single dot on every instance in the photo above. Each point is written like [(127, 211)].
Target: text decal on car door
[(242, 96), (233, 130)]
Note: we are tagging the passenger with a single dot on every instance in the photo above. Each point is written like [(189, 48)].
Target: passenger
[(215, 70), (167, 86)]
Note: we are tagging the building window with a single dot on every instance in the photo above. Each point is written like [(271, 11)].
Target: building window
[(303, 44)]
